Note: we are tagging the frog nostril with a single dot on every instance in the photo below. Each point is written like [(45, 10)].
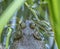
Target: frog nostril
[(32, 25)]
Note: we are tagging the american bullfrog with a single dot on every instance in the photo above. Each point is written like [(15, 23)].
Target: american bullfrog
[(28, 39)]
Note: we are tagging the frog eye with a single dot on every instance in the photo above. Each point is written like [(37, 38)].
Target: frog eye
[(32, 25), (23, 25)]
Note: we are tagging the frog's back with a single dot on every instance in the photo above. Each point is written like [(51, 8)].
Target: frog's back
[(28, 41)]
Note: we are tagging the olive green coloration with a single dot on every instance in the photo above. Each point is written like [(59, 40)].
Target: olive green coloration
[(32, 25), (23, 25), (15, 5), (18, 35)]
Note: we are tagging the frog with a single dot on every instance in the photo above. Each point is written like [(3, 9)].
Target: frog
[(29, 38)]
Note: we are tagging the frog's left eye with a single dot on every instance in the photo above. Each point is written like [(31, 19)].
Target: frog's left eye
[(32, 25), (23, 25)]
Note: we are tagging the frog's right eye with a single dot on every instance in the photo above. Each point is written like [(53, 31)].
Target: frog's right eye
[(32, 25), (23, 25)]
